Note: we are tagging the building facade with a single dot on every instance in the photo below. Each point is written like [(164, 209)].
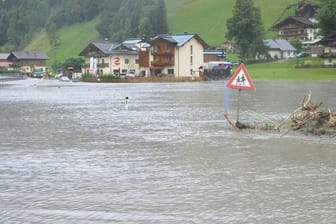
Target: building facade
[(28, 62), (279, 48), (178, 55), (111, 58), (305, 29), (4, 62), (329, 53)]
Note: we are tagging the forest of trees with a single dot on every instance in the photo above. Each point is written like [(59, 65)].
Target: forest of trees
[(21, 20)]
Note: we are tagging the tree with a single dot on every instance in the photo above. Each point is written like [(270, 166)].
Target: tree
[(245, 28), (148, 17), (327, 17), (76, 63)]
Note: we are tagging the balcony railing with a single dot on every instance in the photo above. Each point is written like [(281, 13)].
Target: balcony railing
[(163, 52), (162, 63), (100, 65)]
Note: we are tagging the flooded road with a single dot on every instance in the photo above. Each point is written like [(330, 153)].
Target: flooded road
[(72, 153)]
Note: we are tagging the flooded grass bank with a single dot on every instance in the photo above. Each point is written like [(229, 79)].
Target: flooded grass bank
[(287, 71)]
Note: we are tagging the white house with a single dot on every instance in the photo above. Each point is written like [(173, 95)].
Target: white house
[(179, 55), (279, 48), (112, 58)]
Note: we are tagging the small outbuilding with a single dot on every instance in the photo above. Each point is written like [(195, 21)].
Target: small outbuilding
[(329, 53), (280, 48), (27, 62), (4, 61)]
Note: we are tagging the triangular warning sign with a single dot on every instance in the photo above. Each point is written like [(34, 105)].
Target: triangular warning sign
[(241, 79)]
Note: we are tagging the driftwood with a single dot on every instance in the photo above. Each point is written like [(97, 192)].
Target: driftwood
[(226, 115), (307, 118)]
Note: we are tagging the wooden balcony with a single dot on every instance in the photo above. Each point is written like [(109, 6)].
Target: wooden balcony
[(100, 65), (166, 52), (162, 63)]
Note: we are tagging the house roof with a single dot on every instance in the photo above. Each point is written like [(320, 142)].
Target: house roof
[(133, 41), (4, 56), (127, 47), (104, 47), (124, 47), (310, 22), (219, 53), (180, 39), (279, 44), (328, 41), (24, 55)]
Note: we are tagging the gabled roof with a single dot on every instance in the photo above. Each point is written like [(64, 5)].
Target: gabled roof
[(107, 48), (4, 56), (104, 47), (124, 47), (310, 22), (180, 39), (24, 55), (279, 44), (133, 41)]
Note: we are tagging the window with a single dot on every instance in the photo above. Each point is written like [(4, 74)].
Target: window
[(170, 71), (191, 49), (191, 60), (126, 61), (156, 48)]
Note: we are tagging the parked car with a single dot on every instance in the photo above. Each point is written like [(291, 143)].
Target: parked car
[(131, 73), (64, 79), (302, 55)]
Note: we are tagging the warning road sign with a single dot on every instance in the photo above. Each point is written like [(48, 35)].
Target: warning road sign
[(241, 80)]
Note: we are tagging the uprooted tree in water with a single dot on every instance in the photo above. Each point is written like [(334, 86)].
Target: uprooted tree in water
[(307, 118)]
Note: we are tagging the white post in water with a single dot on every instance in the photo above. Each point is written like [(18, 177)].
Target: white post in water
[(126, 102)]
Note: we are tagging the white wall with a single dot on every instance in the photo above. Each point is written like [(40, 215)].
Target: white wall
[(183, 65), (330, 61), (116, 62)]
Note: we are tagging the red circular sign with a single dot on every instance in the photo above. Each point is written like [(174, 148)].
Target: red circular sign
[(117, 61)]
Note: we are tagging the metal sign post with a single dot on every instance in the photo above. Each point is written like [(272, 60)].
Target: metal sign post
[(238, 104), (241, 81)]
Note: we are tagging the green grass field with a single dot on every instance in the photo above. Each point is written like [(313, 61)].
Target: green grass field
[(287, 71)]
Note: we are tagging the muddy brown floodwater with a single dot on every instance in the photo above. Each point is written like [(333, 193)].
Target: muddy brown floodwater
[(72, 153)]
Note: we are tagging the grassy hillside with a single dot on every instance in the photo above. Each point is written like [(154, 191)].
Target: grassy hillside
[(208, 17), (204, 17), (72, 40)]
